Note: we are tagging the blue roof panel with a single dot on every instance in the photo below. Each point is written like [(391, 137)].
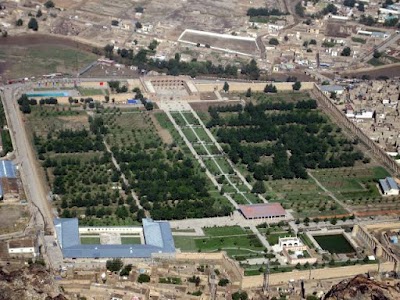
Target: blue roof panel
[(391, 183), (7, 169), (158, 237)]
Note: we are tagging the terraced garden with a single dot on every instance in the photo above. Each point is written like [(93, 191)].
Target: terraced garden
[(214, 159), (277, 139)]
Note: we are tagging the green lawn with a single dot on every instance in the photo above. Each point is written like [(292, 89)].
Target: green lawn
[(191, 118), (188, 132), (213, 149), (202, 134), (185, 243), (239, 244), (90, 240), (130, 240), (224, 165), (212, 167), (224, 231), (179, 119), (91, 91), (212, 244)]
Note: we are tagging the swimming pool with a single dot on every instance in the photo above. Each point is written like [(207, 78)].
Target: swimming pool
[(47, 94)]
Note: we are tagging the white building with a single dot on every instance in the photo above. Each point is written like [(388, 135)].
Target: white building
[(26, 247)]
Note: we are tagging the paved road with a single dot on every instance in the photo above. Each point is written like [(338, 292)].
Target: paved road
[(34, 189)]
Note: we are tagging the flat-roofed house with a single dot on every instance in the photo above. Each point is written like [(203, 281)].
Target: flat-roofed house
[(25, 248)]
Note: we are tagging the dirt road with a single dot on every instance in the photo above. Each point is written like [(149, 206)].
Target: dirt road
[(26, 158)]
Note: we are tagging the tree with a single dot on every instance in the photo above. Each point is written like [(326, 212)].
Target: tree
[(259, 188), (369, 20), (361, 6), (273, 41), (391, 22), (248, 93), (33, 24), (346, 51), (377, 54), (270, 88), (126, 270), (39, 14), (114, 265), (330, 9), (226, 87), (139, 9), (223, 282), (296, 86), (349, 3), (143, 278), (240, 296), (299, 9), (49, 4), (153, 45), (138, 25), (19, 22)]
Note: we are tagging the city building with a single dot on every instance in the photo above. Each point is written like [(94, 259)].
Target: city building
[(294, 251), (268, 211), (157, 235), (328, 89), (389, 186)]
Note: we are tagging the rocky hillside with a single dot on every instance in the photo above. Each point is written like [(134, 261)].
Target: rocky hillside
[(28, 283), (362, 288)]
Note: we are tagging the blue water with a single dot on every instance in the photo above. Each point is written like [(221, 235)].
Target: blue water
[(47, 94)]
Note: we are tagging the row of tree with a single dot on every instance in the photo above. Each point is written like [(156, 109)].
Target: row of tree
[(296, 137), (175, 66)]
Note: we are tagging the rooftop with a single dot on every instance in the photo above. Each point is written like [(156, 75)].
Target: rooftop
[(21, 243), (158, 238), (7, 169), (331, 88), (263, 210), (388, 184)]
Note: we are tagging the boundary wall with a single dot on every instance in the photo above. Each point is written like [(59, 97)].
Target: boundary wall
[(343, 121)]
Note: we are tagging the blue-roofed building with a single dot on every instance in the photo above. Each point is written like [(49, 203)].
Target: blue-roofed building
[(158, 239), (389, 186), (7, 169), (134, 101)]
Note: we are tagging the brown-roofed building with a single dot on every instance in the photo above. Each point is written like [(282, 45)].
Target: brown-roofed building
[(268, 211), (23, 248)]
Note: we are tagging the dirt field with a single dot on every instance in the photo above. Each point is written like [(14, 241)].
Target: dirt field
[(248, 47), (43, 55), (164, 133), (13, 218), (203, 106), (389, 71)]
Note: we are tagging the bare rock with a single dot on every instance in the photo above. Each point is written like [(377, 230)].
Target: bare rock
[(362, 288)]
